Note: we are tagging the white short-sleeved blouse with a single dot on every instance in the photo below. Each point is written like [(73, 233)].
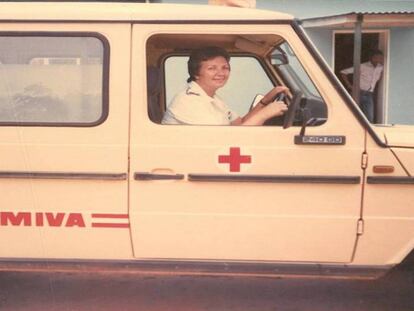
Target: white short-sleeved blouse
[(194, 107)]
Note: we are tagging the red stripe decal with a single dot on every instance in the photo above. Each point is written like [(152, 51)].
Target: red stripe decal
[(107, 225), (110, 216)]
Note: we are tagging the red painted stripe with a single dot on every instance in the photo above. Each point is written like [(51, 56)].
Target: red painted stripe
[(108, 225), (110, 215)]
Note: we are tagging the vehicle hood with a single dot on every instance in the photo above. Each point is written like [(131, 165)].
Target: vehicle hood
[(398, 136), (401, 141)]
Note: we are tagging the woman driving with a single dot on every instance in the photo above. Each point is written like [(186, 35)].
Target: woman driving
[(209, 70)]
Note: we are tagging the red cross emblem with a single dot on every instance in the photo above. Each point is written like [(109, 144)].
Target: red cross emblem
[(234, 159)]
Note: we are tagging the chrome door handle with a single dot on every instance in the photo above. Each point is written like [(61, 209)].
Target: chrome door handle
[(150, 176)]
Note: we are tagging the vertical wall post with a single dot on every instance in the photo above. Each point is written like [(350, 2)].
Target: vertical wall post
[(357, 57)]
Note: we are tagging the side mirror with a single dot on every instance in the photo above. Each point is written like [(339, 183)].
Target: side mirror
[(279, 57)]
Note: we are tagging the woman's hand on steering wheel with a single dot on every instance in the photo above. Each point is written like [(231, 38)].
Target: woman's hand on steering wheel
[(274, 109), (274, 93)]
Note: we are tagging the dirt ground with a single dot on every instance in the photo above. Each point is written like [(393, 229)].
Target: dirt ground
[(126, 292)]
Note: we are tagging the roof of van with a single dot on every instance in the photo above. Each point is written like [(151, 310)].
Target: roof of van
[(112, 11)]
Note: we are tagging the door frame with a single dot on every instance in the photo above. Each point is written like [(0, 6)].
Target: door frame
[(384, 45)]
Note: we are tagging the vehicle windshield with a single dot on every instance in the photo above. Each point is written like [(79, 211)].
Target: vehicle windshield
[(285, 61)]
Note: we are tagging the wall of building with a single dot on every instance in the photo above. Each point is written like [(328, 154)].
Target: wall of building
[(401, 83), (322, 39)]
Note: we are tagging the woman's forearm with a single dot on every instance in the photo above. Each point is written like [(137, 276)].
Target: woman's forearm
[(254, 116), (265, 109), (261, 113)]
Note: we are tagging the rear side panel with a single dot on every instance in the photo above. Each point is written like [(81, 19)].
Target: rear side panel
[(64, 187)]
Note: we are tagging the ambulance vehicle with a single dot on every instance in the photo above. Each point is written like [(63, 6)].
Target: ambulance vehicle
[(91, 179)]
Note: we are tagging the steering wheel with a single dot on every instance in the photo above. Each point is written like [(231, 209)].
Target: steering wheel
[(293, 106), (280, 97)]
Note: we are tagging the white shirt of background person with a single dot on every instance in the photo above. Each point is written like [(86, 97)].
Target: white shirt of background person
[(370, 75)]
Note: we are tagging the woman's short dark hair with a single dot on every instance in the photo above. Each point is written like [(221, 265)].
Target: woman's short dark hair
[(199, 55)]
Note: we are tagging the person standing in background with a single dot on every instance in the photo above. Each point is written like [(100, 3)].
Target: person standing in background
[(371, 73)]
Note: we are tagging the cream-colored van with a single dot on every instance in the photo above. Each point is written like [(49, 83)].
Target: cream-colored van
[(90, 177)]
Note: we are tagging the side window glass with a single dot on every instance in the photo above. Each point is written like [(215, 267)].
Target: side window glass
[(52, 80)]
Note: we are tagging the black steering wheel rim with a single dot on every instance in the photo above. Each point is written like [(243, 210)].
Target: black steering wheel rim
[(293, 106)]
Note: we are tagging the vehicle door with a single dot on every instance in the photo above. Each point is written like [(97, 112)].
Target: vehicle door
[(243, 193)]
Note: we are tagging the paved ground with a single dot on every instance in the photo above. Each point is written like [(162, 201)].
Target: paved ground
[(123, 292)]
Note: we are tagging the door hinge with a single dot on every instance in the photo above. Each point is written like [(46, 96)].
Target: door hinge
[(364, 160), (360, 227)]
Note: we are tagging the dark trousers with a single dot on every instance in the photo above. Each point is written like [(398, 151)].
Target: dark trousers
[(366, 101)]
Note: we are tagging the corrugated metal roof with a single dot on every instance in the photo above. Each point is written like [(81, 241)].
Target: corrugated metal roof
[(363, 13), (370, 19), (385, 12)]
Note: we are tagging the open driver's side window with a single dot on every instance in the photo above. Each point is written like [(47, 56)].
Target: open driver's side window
[(258, 63)]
